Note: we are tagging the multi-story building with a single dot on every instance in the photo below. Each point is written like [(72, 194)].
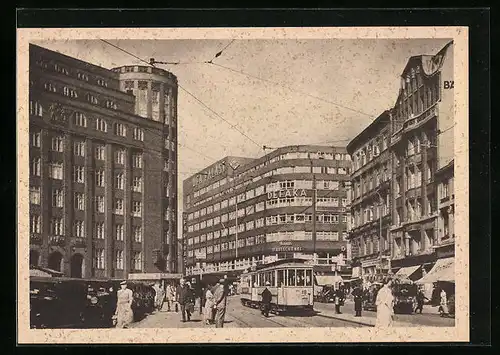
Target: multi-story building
[(241, 212), (155, 92), (370, 198), (96, 171), (421, 145)]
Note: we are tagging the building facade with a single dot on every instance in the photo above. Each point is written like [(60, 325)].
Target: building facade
[(155, 91), (241, 212), (370, 201), (96, 171), (422, 153)]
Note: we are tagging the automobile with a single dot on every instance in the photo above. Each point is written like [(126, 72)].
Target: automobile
[(370, 296), (405, 296)]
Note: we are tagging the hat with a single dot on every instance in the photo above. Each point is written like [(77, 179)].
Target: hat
[(221, 281), (268, 283), (123, 282)]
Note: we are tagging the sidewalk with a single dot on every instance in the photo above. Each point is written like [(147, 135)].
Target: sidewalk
[(165, 319), (429, 318)]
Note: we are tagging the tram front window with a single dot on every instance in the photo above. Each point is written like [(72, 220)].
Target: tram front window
[(281, 278), (309, 277), (291, 277), (301, 277)]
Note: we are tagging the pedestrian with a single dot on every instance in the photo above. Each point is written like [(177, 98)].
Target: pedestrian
[(420, 301), (185, 298), (358, 300), (170, 297), (220, 299), (266, 300), (209, 306), (124, 314), (159, 296), (385, 305), (443, 305), (338, 294)]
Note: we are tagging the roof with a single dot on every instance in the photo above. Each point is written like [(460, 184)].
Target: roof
[(281, 262), (369, 132)]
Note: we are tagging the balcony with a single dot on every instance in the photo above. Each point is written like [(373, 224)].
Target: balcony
[(58, 240), (36, 238), (79, 242)]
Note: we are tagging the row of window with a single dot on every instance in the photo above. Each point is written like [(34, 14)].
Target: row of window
[(80, 75), (266, 238), (285, 156), (273, 203), (369, 152), (100, 259), (57, 229), (277, 171), (72, 92), (80, 200), (81, 120), (261, 190), (269, 220), (370, 180)]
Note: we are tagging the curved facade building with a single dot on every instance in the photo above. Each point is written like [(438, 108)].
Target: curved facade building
[(155, 92), (240, 212)]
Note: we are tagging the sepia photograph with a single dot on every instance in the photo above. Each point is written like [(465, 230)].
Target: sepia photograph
[(217, 183)]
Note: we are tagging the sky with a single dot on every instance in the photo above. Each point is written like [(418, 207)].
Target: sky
[(319, 91)]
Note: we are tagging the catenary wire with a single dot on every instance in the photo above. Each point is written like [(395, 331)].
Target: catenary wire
[(192, 95)]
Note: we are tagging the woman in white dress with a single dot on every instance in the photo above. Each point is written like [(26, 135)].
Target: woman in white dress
[(443, 303), (209, 306), (385, 305)]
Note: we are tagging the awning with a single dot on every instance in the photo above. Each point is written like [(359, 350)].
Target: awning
[(44, 272), (323, 280), (443, 270), (153, 276), (406, 272)]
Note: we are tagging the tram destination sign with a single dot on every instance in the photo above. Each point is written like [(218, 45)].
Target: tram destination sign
[(287, 193)]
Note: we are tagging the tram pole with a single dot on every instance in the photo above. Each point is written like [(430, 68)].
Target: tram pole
[(314, 217)]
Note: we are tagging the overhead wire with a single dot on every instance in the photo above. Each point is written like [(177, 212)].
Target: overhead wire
[(192, 95)]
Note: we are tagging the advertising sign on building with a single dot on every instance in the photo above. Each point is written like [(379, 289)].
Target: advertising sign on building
[(287, 193)]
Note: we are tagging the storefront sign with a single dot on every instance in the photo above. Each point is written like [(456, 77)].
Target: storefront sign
[(284, 249), (286, 193)]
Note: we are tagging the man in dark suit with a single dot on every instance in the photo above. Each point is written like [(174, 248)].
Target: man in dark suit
[(184, 297)]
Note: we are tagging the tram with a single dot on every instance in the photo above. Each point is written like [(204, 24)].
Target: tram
[(291, 285)]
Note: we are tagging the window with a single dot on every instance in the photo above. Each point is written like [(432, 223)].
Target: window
[(92, 99), (99, 204), (36, 108), (137, 260), (57, 143), (36, 139), (100, 152), (118, 206), (79, 229), (136, 208), (80, 119), (79, 174), (35, 223), (101, 125), (119, 181), (70, 92), (79, 148), (99, 230), (119, 232), (120, 129), (35, 195), (138, 234), (79, 201), (50, 87), (99, 178), (82, 76), (137, 183), (57, 198), (138, 134), (119, 259), (99, 258), (137, 160), (35, 167), (102, 82), (57, 226)]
